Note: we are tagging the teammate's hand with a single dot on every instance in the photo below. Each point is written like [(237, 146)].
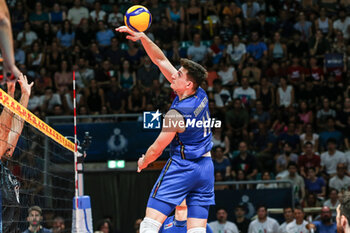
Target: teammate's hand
[(134, 36), (141, 164), (11, 73), (25, 86)]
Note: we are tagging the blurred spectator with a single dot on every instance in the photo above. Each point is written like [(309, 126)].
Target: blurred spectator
[(127, 77), (63, 77), (46, 35), (314, 184), (288, 218), (332, 91), (157, 98), (38, 17), (319, 45), (197, 52), (104, 74), (137, 225), (245, 93), (83, 75), (298, 224), (49, 100), (77, 13), (263, 223), (343, 115), (330, 132), (114, 53), (217, 50), (303, 26), (277, 50), (296, 72), (250, 9), (342, 23), (147, 73), (331, 158), (222, 96), (236, 51), (218, 178), (20, 55), (340, 181), (266, 176), (35, 58), (98, 14), (104, 35), (34, 219), (244, 161), (225, 30), (105, 226), (237, 119), (136, 100), (66, 35), (284, 159), (305, 114), (227, 73), (193, 18), (221, 224), (284, 94), (94, 96), (333, 200), (176, 16), (116, 19), (221, 162), (18, 17), (297, 47), (220, 139), (324, 23), (297, 180), (316, 73), (115, 98), (309, 160), (291, 137), (266, 94), (252, 72), (57, 15), (68, 100), (324, 113), (326, 225), (134, 54), (241, 221), (84, 34), (256, 48), (58, 225), (27, 36)]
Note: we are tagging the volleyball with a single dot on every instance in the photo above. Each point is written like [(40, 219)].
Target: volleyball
[(138, 18)]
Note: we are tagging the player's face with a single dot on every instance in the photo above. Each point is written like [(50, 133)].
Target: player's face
[(34, 218), (179, 81)]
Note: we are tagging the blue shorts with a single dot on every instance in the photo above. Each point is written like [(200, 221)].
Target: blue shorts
[(190, 179)]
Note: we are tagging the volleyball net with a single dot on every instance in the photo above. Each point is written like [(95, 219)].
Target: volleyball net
[(43, 165)]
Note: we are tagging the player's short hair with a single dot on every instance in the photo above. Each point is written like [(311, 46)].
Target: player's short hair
[(195, 72), (35, 208)]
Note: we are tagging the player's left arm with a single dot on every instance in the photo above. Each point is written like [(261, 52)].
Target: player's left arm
[(17, 122), (164, 138)]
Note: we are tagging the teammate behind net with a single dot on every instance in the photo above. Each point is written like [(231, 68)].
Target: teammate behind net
[(189, 173)]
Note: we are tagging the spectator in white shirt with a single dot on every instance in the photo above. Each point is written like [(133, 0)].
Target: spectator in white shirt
[(222, 225), (27, 36), (197, 52), (299, 224), (288, 218), (222, 96), (77, 13), (342, 24), (341, 181), (237, 51), (115, 18), (49, 100), (263, 223), (245, 93), (227, 73), (250, 9), (98, 14), (333, 200), (331, 158), (266, 176)]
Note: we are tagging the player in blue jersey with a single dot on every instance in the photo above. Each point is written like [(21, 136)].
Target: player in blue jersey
[(189, 173), (178, 222)]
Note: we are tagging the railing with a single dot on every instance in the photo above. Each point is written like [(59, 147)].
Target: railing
[(237, 183)]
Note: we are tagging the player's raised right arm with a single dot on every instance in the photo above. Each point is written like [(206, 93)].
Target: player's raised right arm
[(153, 51)]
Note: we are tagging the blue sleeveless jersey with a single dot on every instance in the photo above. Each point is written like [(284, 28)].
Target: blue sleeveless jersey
[(195, 141), (171, 225)]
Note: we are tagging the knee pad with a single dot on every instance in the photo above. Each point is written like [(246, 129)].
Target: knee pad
[(197, 230), (149, 225)]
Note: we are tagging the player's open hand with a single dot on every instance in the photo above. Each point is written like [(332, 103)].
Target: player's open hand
[(134, 36), (141, 164), (25, 86)]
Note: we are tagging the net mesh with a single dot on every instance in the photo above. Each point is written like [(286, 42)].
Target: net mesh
[(45, 172)]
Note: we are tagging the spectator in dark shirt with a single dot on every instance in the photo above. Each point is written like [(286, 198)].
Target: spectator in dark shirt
[(114, 53), (104, 74), (291, 137), (244, 161), (237, 119), (297, 48), (309, 160), (257, 48), (114, 98), (332, 91), (147, 73), (34, 219), (314, 184), (84, 34), (330, 132), (241, 221), (221, 162)]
